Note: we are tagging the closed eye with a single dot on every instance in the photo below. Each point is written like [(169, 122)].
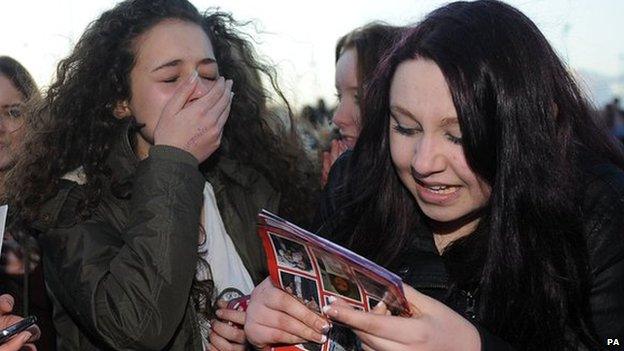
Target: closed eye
[(404, 131), (171, 80)]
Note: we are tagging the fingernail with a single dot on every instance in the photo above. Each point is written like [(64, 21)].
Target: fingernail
[(326, 309), (326, 328), (379, 304), (193, 76), (26, 335), (219, 313), (331, 299), (323, 339)]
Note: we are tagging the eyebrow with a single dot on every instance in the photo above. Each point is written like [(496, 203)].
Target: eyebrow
[(446, 121), (173, 63), (402, 111), (449, 121)]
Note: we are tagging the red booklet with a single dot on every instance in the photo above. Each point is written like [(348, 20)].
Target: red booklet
[(313, 269)]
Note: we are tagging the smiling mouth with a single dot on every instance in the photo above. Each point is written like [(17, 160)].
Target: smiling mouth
[(441, 189)]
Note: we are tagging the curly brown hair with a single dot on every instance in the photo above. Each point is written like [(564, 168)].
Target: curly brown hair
[(74, 125)]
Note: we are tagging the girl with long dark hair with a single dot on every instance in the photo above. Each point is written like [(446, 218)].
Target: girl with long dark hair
[(144, 170), (481, 178)]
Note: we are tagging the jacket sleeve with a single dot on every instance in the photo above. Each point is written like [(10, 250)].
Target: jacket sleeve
[(130, 288), (604, 227)]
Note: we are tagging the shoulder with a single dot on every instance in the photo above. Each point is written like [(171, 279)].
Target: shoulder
[(603, 214), (64, 205)]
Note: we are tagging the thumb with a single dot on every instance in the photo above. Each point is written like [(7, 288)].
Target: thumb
[(181, 96), (418, 302), (6, 303), (16, 342)]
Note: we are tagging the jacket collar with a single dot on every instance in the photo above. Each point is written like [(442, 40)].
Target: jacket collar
[(123, 162)]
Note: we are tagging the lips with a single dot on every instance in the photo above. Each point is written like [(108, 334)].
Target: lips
[(437, 193)]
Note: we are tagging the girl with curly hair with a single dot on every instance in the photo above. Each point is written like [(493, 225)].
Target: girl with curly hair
[(143, 172)]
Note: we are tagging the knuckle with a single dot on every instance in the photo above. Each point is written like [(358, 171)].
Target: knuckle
[(282, 320), (239, 335)]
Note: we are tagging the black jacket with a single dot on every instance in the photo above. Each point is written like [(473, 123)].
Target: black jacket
[(121, 279), (603, 221)]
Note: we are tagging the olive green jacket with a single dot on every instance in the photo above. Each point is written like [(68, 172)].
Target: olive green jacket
[(121, 279)]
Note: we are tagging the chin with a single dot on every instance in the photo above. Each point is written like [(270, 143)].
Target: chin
[(442, 214)]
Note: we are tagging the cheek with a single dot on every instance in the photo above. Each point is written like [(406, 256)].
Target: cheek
[(401, 152), (148, 103)]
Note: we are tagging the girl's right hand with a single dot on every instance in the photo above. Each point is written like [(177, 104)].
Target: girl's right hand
[(275, 317), (195, 124), (337, 148)]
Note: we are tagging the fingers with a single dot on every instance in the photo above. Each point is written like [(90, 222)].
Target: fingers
[(233, 316), (271, 336), (16, 342), (221, 303), (381, 309), (372, 342), (206, 102), (374, 324), (228, 332), (6, 303), (284, 322), (181, 96), (274, 316), (290, 306)]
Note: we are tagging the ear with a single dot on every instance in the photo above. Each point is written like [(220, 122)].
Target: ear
[(122, 110)]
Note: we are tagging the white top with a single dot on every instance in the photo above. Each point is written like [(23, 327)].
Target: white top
[(227, 268)]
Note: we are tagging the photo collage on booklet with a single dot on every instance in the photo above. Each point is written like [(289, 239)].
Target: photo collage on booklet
[(313, 277)]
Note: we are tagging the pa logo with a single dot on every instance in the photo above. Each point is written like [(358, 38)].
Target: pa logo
[(613, 342)]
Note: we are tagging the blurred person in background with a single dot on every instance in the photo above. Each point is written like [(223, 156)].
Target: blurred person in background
[(357, 55), (20, 273), (146, 166)]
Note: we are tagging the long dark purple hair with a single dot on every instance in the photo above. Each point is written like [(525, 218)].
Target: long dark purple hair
[(523, 121)]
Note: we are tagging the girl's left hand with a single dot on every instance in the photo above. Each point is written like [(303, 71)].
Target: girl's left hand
[(227, 333), (433, 326)]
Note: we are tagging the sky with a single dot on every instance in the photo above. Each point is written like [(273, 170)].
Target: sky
[(298, 37)]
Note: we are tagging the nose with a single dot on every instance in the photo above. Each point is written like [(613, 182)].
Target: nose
[(202, 88), (428, 157), (342, 116)]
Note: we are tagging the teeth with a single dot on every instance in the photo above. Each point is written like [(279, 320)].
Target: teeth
[(442, 189)]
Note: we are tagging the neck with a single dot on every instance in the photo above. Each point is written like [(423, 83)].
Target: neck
[(445, 233), (141, 146)]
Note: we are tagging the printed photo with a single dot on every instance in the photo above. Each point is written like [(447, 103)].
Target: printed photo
[(329, 264), (291, 254), (340, 285), (302, 288), (370, 286)]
